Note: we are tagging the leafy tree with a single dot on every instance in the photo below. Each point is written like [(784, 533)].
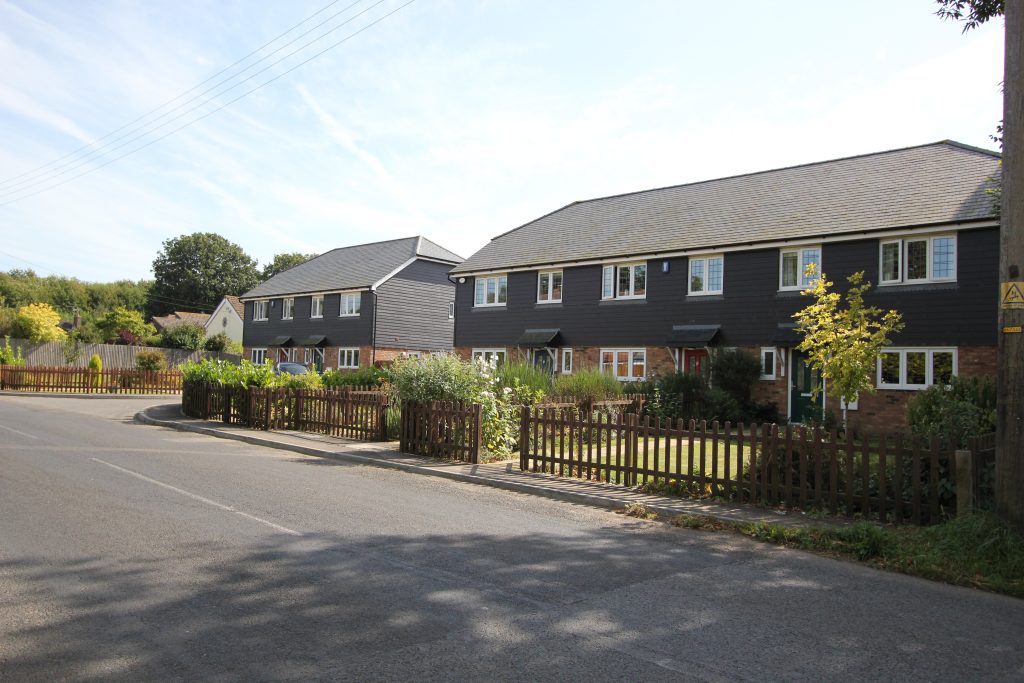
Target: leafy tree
[(223, 343), (72, 348), (151, 361), (283, 262), (843, 343), (195, 271), (38, 323), (120, 320), (973, 13), (185, 335)]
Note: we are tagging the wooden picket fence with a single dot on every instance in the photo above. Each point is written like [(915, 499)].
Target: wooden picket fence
[(349, 413), (887, 478), (442, 429), (87, 381)]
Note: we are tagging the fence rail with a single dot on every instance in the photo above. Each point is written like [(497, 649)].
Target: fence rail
[(88, 381), (442, 429), (889, 478), (345, 413)]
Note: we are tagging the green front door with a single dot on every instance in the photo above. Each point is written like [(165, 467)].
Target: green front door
[(803, 378)]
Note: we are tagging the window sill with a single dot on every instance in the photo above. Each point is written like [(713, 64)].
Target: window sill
[(917, 283), (349, 315), (710, 295), (485, 307), (549, 303), (901, 387), (622, 300)]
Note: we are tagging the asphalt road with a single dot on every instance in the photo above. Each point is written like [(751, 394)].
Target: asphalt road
[(139, 553)]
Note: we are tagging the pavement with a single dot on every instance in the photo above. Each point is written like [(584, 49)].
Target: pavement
[(503, 475)]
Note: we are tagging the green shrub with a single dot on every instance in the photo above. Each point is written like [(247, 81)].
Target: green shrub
[(243, 375), (735, 371), (222, 343), (588, 385), (966, 408), (523, 374), (310, 380), (187, 335), (151, 361), (10, 355), (363, 377), (96, 363)]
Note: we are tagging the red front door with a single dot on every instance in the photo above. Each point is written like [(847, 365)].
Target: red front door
[(695, 361)]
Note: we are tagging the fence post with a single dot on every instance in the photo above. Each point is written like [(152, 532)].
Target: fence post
[(478, 434), (382, 417), (227, 404), (963, 463), (524, 436), (632, 434)]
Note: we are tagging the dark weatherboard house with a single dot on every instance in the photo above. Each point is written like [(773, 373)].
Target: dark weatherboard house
[(649, 282), (354, 306)]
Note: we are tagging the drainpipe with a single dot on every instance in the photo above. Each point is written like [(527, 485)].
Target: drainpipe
[(373, 330)]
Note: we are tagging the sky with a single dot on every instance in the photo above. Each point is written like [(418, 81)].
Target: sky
[(454, 119)]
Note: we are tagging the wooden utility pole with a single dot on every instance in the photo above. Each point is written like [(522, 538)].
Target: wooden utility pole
[(1010, 383)]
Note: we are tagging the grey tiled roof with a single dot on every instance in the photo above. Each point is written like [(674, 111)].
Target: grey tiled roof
[(350, 267), (943, 182)]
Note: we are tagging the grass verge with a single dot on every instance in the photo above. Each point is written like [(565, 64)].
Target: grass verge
[(975, 550)]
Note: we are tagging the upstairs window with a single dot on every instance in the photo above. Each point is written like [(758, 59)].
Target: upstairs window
[(706, 275), (259, 309), (491, 291), (793, 267), (912, 260), (451, 310), (350, 304), (287, 309), (549, 287), (624, 281), (316, 309)]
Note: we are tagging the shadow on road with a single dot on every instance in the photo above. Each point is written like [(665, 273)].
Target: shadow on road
[(602, 604)]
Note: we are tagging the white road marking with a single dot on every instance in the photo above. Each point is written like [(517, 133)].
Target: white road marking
[(194, 496), (17, 432)]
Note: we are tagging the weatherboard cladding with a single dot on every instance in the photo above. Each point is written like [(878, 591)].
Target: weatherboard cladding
[(412, 308), (339, 331), (944, 182), (353, 267), (751, 307)]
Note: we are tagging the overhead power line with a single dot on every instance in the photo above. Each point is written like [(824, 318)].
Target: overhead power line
[(140, 132), (179, 96), (214, 111)]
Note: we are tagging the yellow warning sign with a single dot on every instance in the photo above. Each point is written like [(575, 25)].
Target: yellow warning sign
[(1012, 295)]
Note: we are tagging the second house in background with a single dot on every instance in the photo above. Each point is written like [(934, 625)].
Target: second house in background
[(354, 306)]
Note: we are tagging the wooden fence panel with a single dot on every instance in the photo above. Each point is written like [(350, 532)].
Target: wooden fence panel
[(87, 381), (442, 429), (793, 466)]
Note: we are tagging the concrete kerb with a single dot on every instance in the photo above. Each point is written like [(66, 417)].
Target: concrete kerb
[(614, 499)]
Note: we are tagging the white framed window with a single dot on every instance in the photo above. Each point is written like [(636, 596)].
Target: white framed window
[(260, 308), (413, 354), (287, 309), (566, 361), (627, 365), (451, 310), (348, 358), (916, 368), (793, 267), (706, 274), (549, 287), (349, 305), (259, 356), (285, 354), (767, 362), (491, 290), (913, 260), (498, 356), (624, 281), (316, 307)]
